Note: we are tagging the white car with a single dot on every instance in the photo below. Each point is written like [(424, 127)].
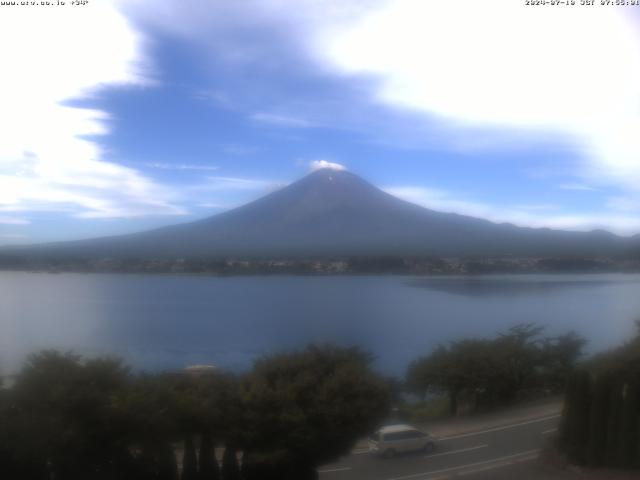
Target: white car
[(394, 439)]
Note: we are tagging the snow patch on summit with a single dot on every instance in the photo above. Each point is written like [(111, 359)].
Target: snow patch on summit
[(325, 165)]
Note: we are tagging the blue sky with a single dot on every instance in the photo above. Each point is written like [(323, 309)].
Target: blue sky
[(124, 115)]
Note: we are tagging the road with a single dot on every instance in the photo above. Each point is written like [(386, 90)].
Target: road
[(506, 451)]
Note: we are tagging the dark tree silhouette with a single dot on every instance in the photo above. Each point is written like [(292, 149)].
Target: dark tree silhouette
[(230, 467), (312, 404), (189, 460), (208, 464)]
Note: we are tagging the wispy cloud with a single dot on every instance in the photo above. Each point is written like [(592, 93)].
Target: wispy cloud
[(577, 186), (180, 166), (13, 236), (236, 149), (6, 220), (540, 207), (238, 183), (440, 200), (223, 192), (522, 215), (281, 120), (212, 205)]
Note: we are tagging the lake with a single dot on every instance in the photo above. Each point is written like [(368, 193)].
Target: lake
[(158, 322)]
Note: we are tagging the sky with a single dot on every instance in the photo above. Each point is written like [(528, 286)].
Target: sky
[(123, 115)]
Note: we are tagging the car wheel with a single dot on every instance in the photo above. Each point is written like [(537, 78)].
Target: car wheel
[(389, 453), (429, 447)]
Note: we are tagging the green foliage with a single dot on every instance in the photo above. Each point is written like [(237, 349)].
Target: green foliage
[(165, 462), (574, 429), (612, 438), (230, 467), (189, 460), (614, 422), (434, 408), (70, 418), (629, 447), (486, 373), (623, 362), (598, 417), (296, 401), (208, 468), (62, 405)]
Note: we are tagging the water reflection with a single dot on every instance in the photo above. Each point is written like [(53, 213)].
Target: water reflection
[(505, 285)]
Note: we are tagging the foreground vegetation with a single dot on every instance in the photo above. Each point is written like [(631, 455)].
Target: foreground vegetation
[(70, 419), (601, 422), (66, 418), (480, 374)]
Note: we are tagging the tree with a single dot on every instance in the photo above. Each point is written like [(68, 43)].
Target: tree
[(66, 411), (629, 426), (598, 417), (208, 465), (230, 467), (519, 355), (189, 460), (612, 454), (574, 430), (559, 356), (490, 372), (312, 404), (166, 466)]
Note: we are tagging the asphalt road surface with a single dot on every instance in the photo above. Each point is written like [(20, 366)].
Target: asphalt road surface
[(507, 451)]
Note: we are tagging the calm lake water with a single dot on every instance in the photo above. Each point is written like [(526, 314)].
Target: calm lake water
[(160, 322)]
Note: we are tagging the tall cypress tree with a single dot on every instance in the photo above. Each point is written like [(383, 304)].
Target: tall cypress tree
[(629, 426), (612, 458), (598, 416), (248, 468), (189, 461), (167, 466), (575, 424), (230, 468), (208, 465)]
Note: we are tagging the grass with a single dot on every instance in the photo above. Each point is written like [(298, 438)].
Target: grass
[(431, 409)]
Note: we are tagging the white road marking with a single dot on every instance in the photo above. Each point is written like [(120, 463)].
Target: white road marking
[(551, 430), (360, 452), (497, 429), (497, 465), (462, 450), (498, 461), (485, 468), (331, 470)]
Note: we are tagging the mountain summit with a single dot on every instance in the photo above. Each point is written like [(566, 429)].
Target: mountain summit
[(336, 213)]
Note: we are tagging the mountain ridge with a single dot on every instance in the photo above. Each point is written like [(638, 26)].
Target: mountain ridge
[(331, 213)]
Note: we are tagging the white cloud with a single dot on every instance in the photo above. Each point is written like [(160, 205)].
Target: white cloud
[(47, 159), (573, 71), (5, 220), (324, 164), (570, 73), (522, 215)]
